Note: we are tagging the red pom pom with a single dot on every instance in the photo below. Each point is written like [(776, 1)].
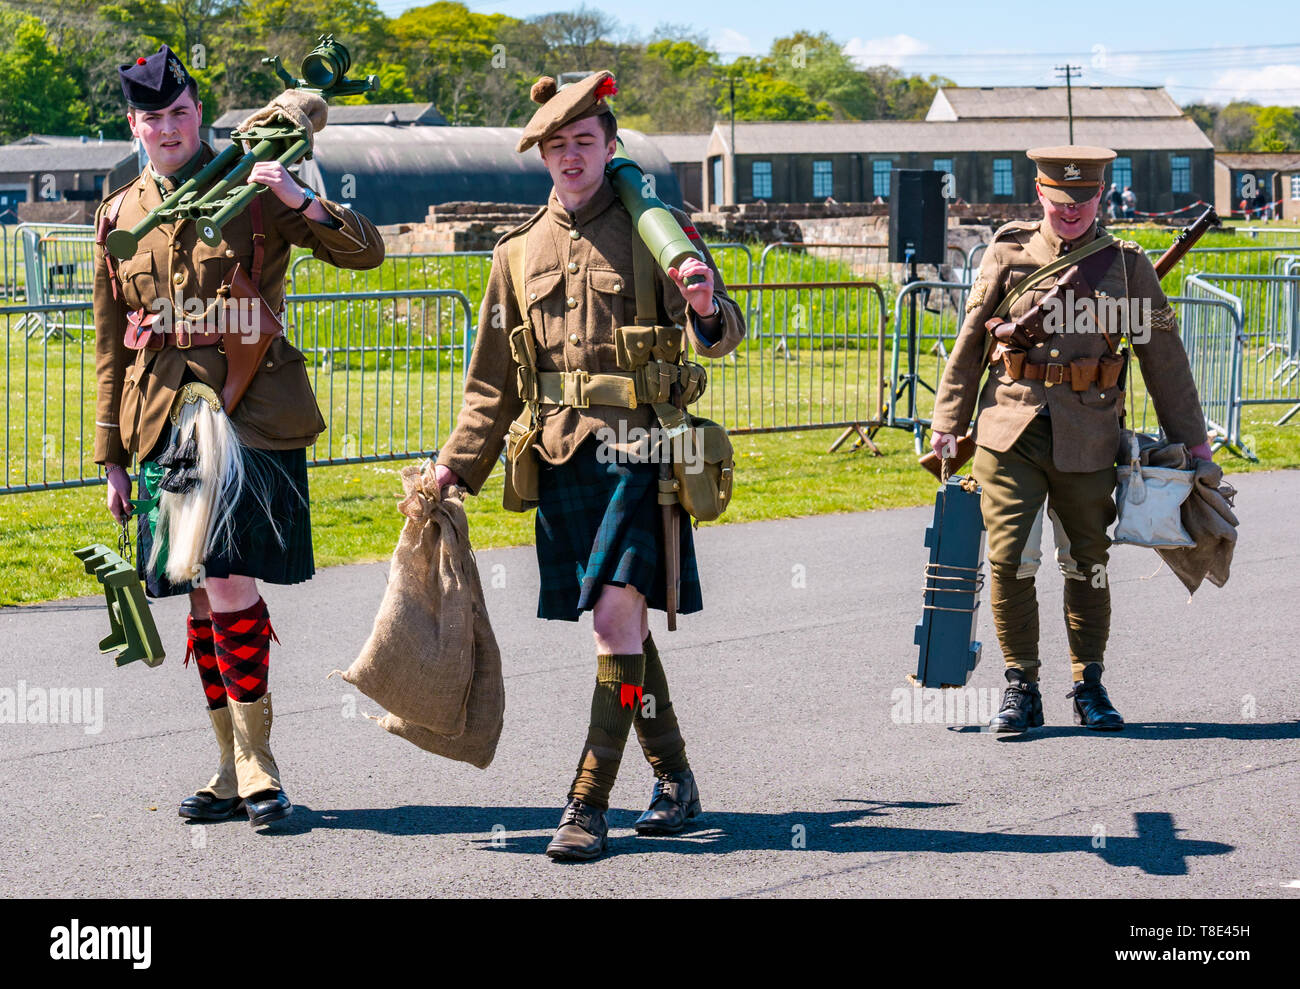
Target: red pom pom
[(141, 60), (606, 88)]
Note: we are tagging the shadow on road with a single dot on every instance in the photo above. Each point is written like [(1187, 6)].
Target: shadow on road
[(1156, 850)]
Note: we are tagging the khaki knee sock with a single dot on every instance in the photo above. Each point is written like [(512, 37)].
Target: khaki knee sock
[(661, 740), (619, 679)]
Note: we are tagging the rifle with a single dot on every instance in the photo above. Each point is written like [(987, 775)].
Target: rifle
[(1009, 331)]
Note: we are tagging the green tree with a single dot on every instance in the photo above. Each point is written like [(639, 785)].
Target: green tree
[(816, 63), (1277, 128), (39, 96), (1204, 114), (1234, 128)]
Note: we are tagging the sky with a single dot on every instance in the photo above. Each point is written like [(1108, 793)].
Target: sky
[(1203, 51)]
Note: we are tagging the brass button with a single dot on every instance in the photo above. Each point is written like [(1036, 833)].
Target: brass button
[(573, 266), (618, 286), (573, 338), (640, 345), (1102, 395), (229, 253), (1055, 353), (178, 277), (532, 296), (1049, 383), (270, 363), (571, 302), (574, 235)]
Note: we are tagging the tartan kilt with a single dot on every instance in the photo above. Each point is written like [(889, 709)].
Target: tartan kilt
[(600, 524), (254, 551)]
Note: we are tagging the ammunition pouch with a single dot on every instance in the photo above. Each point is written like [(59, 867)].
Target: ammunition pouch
[(703, 463), (635, 345), (522, 467), (1081, 373)]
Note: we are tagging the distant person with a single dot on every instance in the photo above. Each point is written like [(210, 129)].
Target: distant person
[(1130, 203), (1115, 202)]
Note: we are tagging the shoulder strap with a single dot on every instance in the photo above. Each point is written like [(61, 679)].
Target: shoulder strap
[(516, 254), (107, 222), (1049, 269), (259, 241), (643, 274)]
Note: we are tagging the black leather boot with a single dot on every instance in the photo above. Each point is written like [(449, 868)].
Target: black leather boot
[(674, 800), (205, 807), (1092, 706), (268, 806), (581, 836), (1022, 705)]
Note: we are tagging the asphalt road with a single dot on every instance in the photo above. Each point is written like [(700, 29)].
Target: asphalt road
[(814, 783)]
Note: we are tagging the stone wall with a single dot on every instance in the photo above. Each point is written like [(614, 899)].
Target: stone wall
[(468, 226), (57, 211)]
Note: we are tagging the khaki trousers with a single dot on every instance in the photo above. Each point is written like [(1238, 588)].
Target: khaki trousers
[(1014, 486)]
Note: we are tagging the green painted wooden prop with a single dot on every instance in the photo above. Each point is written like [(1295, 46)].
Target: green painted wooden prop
[(131, 629)]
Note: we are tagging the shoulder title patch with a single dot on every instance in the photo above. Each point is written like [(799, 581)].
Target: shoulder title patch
[(977, 293)]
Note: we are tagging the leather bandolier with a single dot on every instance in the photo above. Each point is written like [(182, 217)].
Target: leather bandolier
[(149, 330), (1010, 341)]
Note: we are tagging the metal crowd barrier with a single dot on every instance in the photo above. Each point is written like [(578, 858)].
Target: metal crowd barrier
[(1268, 308), (806, 362), (1209, 323), (813, 261), (387, 368)]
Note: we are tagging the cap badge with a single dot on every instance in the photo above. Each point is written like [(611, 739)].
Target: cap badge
[(177, 71), (1072, 171)]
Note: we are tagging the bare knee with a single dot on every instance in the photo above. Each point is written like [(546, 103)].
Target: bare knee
[(616, 619)]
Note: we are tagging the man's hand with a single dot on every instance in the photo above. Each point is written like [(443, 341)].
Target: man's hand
[(119, 493), (276, 177), (700, 295), (1201, 451), (444, 477), (944, 444)]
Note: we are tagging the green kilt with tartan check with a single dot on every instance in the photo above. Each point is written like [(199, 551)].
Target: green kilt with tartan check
[(599, 523)]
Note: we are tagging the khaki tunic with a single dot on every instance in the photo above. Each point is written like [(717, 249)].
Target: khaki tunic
[(1085, 425), (136, 388), (579, 286)]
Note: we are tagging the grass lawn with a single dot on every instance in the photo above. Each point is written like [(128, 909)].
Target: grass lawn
[(354, 518), (387, 376)]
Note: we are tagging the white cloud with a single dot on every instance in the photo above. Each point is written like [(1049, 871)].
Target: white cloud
[(892, 50), (1271, 85), (730, 42)]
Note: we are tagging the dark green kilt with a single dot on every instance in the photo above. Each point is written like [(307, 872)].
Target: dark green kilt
[(254, 551), (600, 524)]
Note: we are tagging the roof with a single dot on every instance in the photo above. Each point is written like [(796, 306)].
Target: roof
[(54, 139), (926, 136), (681, 147), (1276, 161), (92, 156), (401, 171), (342, 114), (985, 102)]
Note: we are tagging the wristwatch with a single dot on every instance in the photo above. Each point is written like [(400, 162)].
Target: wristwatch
[(308, 197)]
